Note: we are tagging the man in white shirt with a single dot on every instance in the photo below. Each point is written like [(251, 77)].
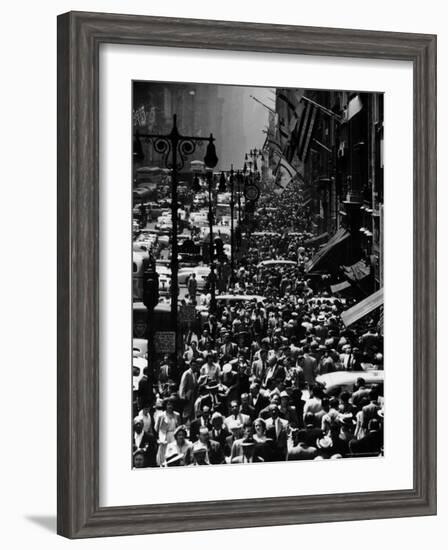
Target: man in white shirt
[(236, 416)]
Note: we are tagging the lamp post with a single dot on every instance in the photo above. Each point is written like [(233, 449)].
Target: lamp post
[(211, 243), (174, 148), (222, 188)]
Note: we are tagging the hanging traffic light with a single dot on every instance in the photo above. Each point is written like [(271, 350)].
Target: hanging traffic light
[(219, 248), (137, 149), (196, 185), (150, 287)]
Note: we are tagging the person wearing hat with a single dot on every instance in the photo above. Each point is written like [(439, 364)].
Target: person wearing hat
[(248, 454), (210, 398), (236, 450), (174, 459), (236, 432), (180, 446), (325, 446), (200, 456)]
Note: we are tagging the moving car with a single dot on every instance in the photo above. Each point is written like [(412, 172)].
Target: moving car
[(336, 382), (164, 278)]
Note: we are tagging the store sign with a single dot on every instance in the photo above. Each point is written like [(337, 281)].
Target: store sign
[(187, 313), (165, 341)]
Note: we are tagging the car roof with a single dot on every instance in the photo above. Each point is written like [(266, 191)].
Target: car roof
[(236, 297), (349, 377), (274, 262)]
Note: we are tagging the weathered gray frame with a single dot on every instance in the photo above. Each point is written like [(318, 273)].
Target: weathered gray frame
[(79, 38)]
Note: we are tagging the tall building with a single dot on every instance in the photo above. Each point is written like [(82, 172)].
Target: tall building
[(334, 140)]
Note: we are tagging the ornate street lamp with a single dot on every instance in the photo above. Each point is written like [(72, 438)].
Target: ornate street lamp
[(175, 148)]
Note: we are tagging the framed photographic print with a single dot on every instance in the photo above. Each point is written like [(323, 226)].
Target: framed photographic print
[(246, 274)]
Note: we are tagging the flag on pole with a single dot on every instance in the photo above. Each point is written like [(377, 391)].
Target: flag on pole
[(353, 108), (304, 130), (284, 174)]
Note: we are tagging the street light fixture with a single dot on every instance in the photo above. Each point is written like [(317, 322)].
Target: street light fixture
[(175, 148)]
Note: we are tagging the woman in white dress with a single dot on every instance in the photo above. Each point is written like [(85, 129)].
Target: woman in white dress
[(181, 446), (165, 426)]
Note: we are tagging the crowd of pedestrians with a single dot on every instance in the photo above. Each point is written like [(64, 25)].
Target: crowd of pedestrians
[(248, 385)]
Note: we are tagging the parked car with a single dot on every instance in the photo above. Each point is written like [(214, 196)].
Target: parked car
[(138, 364), (139, 347)]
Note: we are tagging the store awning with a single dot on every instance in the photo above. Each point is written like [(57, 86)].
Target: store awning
[(357, 271), (328, 250), (363, 308), (339, 287), (318, 239)]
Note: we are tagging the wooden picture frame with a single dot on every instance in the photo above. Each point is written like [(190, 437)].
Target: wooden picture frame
[(79, 38)]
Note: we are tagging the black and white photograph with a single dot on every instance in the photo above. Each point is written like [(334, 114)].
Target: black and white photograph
[(257, 274)]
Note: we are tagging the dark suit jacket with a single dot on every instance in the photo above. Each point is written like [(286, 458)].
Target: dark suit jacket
[(195, 426), (368, 445), (215, 453), (262, 403), (311, 434), (280, 440), (221, 438)]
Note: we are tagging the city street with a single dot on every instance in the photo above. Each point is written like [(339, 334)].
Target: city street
[(271, 347)]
